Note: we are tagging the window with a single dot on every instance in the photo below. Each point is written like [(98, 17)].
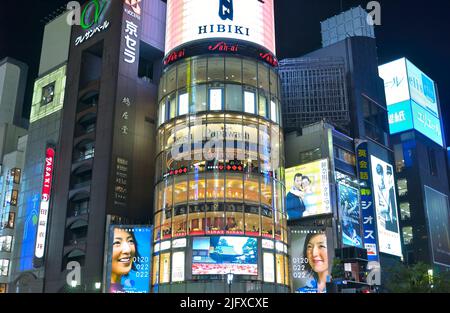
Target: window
[(273, 111), (280, 269), (4, 267), (196, 219), (267, 222), (198, 102), (233, 70), (252, 219), (249, 73), (155, 275), (262, 104), (405, 211), (14, 197), (234, 97), (251, 189), (215, 218), (16, 174), (162, 113), (234, 219), (199, 71), (6, 243), (249, 100), (407, 235), (183, 104), (180, 221), (402, 187), (216, 69), (399, 160), (215, 99), (48, 94), (344, 156)]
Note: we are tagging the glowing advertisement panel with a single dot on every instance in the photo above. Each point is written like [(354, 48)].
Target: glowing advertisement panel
[(395, 81), (224, 255), (421, 88), (386, 207), (350, 215), (308, 190), (245, 20), (400, 117), (437, 208), (311, 259), (129, 259), (426, 123), (45, 203)]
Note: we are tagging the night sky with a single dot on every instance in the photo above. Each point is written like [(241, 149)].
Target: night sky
[(418, 30)]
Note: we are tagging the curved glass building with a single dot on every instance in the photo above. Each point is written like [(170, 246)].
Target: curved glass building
[(219, 220)]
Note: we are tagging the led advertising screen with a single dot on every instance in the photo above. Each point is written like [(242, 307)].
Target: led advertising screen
[(350, 215), (189, 21), (224, 255), (311, 259), (437, 208), (412, 100), (308, 190), (129, 259), (386, 207)]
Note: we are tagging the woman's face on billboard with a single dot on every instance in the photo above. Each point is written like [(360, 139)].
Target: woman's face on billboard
[(317, 253), (124, 250)]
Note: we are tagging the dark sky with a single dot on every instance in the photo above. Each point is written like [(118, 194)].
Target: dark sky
[(418, 30)]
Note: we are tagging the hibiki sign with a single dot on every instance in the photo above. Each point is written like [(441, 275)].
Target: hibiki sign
[(45, 202), (244, 20)]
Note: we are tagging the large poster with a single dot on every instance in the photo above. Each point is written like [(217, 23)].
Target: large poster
[(129, 259), (246, 20), (308, 190), (386, 207), (312, 259), (350, 215), (437, 207)]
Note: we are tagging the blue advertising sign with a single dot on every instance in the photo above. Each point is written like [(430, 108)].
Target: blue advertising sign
[(129, 259), (350, 215), (426, 123), (29, 232), (367, 202), (400, 117)]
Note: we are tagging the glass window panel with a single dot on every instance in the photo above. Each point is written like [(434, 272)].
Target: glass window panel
[(180, 190), (180, 221), (216, 69), (183, 104), (197, 188), (234, 188), (273, 111), (249, 73), (280, 268), (263, 77), (199, 71), (233, 97), (166, 223), (171, 82), (196, 219), (266, 191), (266, 222), (234, 219), (157, 232), (182, 74), (233, 70), (252, 220), (155, 277), (274, 83), (198, 103), (215, 187), (251, 189), (262, 105), (215, 218)]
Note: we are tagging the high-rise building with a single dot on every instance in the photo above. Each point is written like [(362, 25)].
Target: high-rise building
[(219, 218), (43, 133), (416, 127), (367, 126), (104, 169), (13, 80)]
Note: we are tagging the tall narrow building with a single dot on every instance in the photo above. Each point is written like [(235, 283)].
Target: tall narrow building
[(219, 218), (103, 164)]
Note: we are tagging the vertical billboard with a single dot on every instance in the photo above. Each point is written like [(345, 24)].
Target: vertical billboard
[(311, 259), (308, 190), (191, 21), (129, 259), (225, 254), (45, 203), (386, 207), (412, 100), (437, 208), (350, 215), (367, 201)]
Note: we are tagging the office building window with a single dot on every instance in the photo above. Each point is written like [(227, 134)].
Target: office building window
[(216, 99), (48, 94), (405, 211), (407, 235), (402, 187)]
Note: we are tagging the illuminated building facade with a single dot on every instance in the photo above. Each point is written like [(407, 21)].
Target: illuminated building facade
[(219, 195)]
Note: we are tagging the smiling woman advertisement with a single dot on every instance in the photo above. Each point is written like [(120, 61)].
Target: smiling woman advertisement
[(129, 259), (311, 260)]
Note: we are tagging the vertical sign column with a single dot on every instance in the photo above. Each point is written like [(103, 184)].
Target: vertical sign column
[(367, 202), (45, 203)]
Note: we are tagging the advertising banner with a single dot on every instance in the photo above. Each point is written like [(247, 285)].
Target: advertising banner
[(129, 259), (386, 207), (224, 255), (437, 207), (367, 207), (189, 21), (350, 215), (308, 190), (311, 259)]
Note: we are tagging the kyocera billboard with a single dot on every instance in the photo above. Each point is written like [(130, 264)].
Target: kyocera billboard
[(190, 21), (412, 100)]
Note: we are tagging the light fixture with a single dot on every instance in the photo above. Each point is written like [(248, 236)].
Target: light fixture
[(98, 285), (73, 283)]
